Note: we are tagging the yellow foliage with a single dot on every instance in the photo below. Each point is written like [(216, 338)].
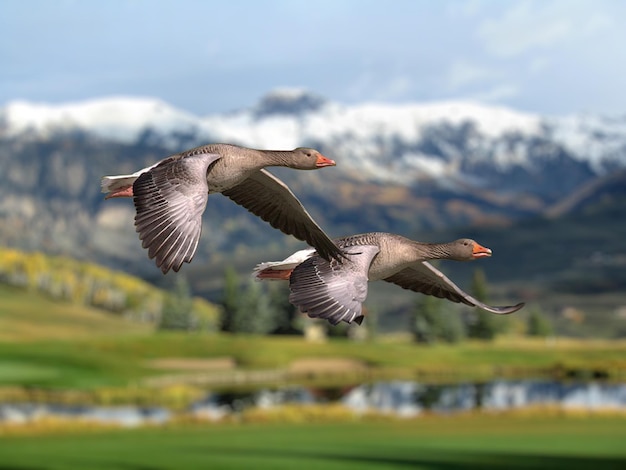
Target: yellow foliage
[(91, 284), (175, 396), (319, 413), (53, 425), (309, 413)]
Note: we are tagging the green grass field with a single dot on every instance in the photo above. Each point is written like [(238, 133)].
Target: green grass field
[(123, 360), (50, 344), (437, 443), (41, 341), (46, 344)]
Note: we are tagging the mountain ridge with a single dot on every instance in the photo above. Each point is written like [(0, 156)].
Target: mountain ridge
[(452, 174), (414, 140)]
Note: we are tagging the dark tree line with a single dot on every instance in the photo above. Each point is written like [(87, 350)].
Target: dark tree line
[(254, 307), (257, 307), (437, 320)]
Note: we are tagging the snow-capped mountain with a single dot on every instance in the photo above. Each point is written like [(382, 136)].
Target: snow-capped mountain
[(378, 142), (401, 168)]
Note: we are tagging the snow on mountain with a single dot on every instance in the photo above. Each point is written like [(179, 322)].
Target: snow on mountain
[(384, 141), (600, 140), (119, 118)]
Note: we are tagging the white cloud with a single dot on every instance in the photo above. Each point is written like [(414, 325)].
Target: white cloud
[(498, 93), (538, 65), (361, 85), (465, 9), (563, 55), (532, 25), (368, 86), (462, 73), (397, 87), (596, 23), (524, 27)]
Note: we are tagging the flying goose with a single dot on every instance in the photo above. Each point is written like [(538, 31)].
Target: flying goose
[(171, 195), (335, 291)]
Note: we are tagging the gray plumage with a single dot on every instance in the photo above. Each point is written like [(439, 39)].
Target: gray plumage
[(332, 290), (335, 291), (170, 200), (170, 197)]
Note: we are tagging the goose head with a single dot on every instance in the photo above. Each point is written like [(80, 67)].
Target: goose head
[(309, 159), (466, 249)]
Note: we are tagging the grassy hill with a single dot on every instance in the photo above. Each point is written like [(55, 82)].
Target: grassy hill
[(89, 284), (32, 316)]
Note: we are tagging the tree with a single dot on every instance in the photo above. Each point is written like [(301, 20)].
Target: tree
[(253, 313), (433, 320), (255, 307), (479, 285), (177, 311), (538, 324), (336, 331), (370, 322), (284, 313), (481, 325), (425, 319), (452, 326), (230, 299), (206, 315)]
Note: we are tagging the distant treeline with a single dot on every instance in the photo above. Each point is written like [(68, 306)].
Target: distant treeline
[(94, 285)]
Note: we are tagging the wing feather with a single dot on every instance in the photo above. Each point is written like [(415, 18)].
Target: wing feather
[(427, 279), (332, 290), (170, 199), (270, 199)]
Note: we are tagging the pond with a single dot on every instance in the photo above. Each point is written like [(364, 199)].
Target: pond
[(400, 398)]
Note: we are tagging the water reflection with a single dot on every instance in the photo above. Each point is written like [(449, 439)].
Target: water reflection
[(411, 398), (401, 398), (126, 416)]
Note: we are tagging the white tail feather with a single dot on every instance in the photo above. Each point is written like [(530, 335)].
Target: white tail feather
[(116, 182), (113, 183), (285, 265)]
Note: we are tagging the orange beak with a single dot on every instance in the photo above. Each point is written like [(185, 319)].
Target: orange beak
[(480, 251), (322, 161)]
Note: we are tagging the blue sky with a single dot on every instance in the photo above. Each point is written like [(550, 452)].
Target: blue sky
[(551, 57)]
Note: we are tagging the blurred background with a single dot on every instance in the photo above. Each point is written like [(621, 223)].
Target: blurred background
[(503, 121)]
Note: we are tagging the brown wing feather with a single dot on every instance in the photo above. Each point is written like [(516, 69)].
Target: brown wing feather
[(270, 199), (427, 279)]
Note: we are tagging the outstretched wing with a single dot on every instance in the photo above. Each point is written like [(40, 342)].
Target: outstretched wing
[(427, 279), (333, 290), (269, 198), (170, 199)]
